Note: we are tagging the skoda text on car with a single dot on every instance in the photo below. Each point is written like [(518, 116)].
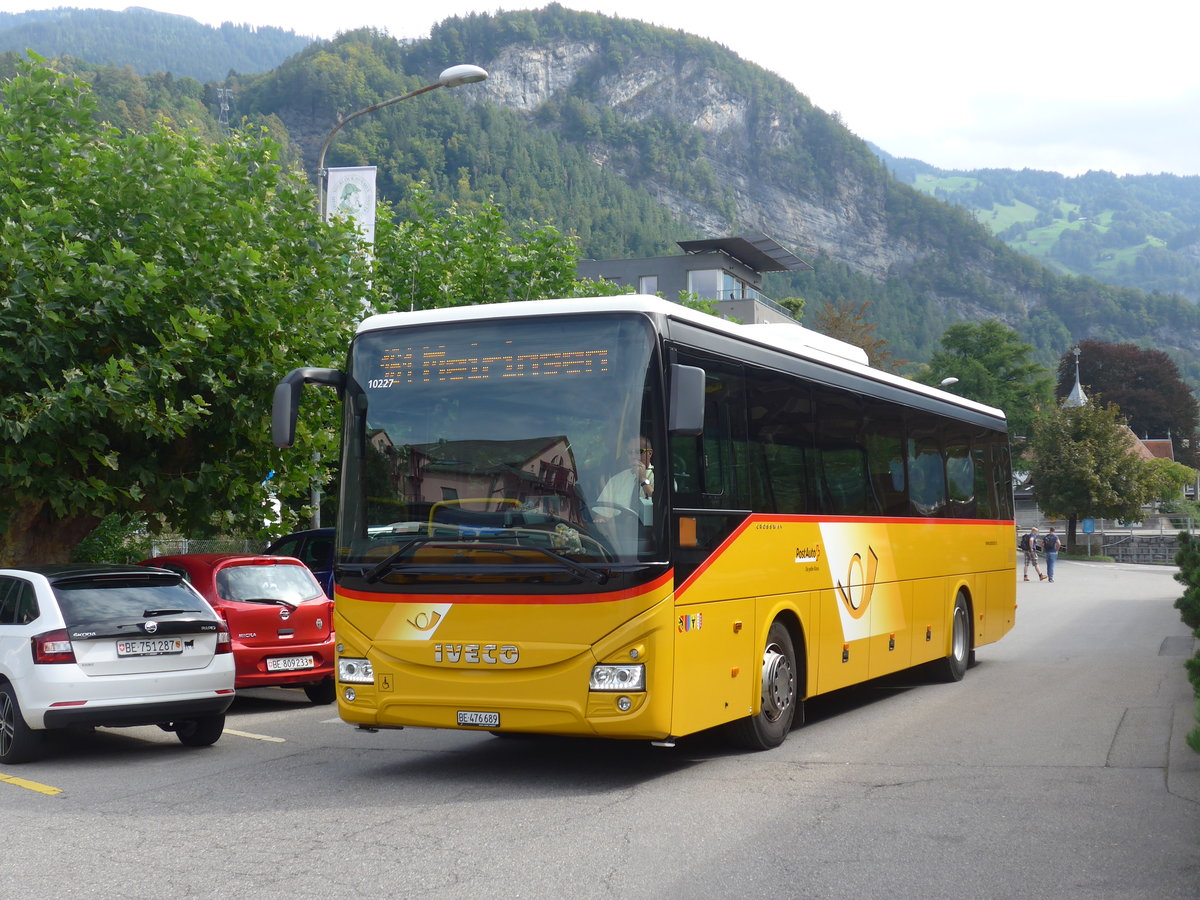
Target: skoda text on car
[(108, 646), (280, 620)]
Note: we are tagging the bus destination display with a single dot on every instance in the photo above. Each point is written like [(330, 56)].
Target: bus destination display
[(441, 363)]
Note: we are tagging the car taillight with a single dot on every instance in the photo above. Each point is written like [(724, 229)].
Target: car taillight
[(52, 647), (224, 645)]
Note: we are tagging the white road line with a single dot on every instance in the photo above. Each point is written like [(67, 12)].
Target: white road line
[(256, 737)]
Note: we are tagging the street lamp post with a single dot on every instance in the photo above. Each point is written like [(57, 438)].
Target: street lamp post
[(451, 77)]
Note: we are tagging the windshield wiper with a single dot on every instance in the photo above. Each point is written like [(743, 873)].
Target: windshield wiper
[(567, 563), (151, 613), (377, 571), (273, 600), (578, 568)]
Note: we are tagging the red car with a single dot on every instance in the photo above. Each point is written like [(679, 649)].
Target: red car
[(280, 621)]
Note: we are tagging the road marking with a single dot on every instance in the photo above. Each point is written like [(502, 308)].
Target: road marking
[(256, 737), (30, 785)]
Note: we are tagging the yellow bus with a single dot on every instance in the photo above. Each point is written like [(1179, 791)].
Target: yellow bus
[(624, 518)]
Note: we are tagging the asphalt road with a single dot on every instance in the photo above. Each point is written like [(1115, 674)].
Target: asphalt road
[(1057, 768)]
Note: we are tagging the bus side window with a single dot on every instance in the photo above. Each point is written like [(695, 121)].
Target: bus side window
[(926, 475), (884, 437), (780, 443)]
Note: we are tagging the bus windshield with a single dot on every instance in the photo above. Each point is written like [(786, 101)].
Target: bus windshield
[(502, 451)]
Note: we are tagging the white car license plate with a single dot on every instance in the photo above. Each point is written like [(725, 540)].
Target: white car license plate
[(289, 663), (150, 647), (479, 719)]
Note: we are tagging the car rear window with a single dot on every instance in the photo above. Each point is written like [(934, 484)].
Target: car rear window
[(290, 583), (98, 599)]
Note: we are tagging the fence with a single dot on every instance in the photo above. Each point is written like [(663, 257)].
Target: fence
[(176, 546), (1155, 540)]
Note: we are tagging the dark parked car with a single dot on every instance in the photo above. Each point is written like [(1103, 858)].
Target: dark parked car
[(280, 620), (314, 548)]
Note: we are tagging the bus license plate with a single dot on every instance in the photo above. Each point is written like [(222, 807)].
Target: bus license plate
[(479, 719), (289, 663), (150, 647)]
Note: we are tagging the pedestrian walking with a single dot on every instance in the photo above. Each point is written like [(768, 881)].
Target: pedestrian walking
[(1051, 544), (1029, 543)]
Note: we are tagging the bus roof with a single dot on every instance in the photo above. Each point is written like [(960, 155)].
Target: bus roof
[(792, 339)]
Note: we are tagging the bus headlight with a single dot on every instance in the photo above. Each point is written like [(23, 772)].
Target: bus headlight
[(355, 671), (618, 678)]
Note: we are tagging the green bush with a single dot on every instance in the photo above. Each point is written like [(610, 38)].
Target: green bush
[(117, 539), (1188, 560)]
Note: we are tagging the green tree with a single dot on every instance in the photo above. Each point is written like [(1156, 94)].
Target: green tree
[(1188, 560), (1084, 466), (467, 255), (993, 366), (153, 288), (847, 321), (1146, 384), (1167, 479)]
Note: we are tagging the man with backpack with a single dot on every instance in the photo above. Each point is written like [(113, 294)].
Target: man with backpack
[(1029, 544), (1051, 545)]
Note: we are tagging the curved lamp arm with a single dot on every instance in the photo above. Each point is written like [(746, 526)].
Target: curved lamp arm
[(451, 77)]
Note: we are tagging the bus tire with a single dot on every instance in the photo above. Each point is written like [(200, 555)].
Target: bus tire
[(954, 666), (780, 696)]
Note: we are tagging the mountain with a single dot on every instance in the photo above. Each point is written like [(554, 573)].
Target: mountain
[(1135, 230), (148, 41), (586, 115), (632, 137)]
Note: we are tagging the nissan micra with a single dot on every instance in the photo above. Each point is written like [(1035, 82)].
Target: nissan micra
[(108, 646)]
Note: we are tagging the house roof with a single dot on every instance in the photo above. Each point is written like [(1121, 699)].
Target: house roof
[(1136, 447), (1160, 448), (755, 250)]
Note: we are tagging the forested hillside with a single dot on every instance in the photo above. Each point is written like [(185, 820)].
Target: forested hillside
[(1135, 230), (148, 41), (587, 118), (633, 137)]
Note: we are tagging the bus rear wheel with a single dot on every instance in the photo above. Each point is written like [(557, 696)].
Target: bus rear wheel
[(781, 703), (954, 666)]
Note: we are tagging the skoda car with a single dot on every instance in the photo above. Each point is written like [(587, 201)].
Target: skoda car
[(108, 646), (280, 620)]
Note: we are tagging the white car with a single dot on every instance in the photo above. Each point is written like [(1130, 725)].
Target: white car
[(108, 646)]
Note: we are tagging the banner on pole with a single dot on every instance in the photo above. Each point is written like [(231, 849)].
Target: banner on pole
[(350, 192)]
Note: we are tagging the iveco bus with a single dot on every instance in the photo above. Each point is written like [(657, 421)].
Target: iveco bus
[(623, 518)]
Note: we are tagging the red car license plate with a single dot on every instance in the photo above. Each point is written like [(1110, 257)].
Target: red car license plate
[(289, 663)]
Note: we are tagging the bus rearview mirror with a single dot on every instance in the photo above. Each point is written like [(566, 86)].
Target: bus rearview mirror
[(686, 415)]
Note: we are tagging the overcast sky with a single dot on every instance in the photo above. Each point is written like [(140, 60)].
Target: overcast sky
[(1062, 85)]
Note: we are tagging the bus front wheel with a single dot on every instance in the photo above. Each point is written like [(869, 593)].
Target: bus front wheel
[(781, 703)]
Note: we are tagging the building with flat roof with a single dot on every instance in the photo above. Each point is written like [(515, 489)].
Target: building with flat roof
[(728, 270)]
